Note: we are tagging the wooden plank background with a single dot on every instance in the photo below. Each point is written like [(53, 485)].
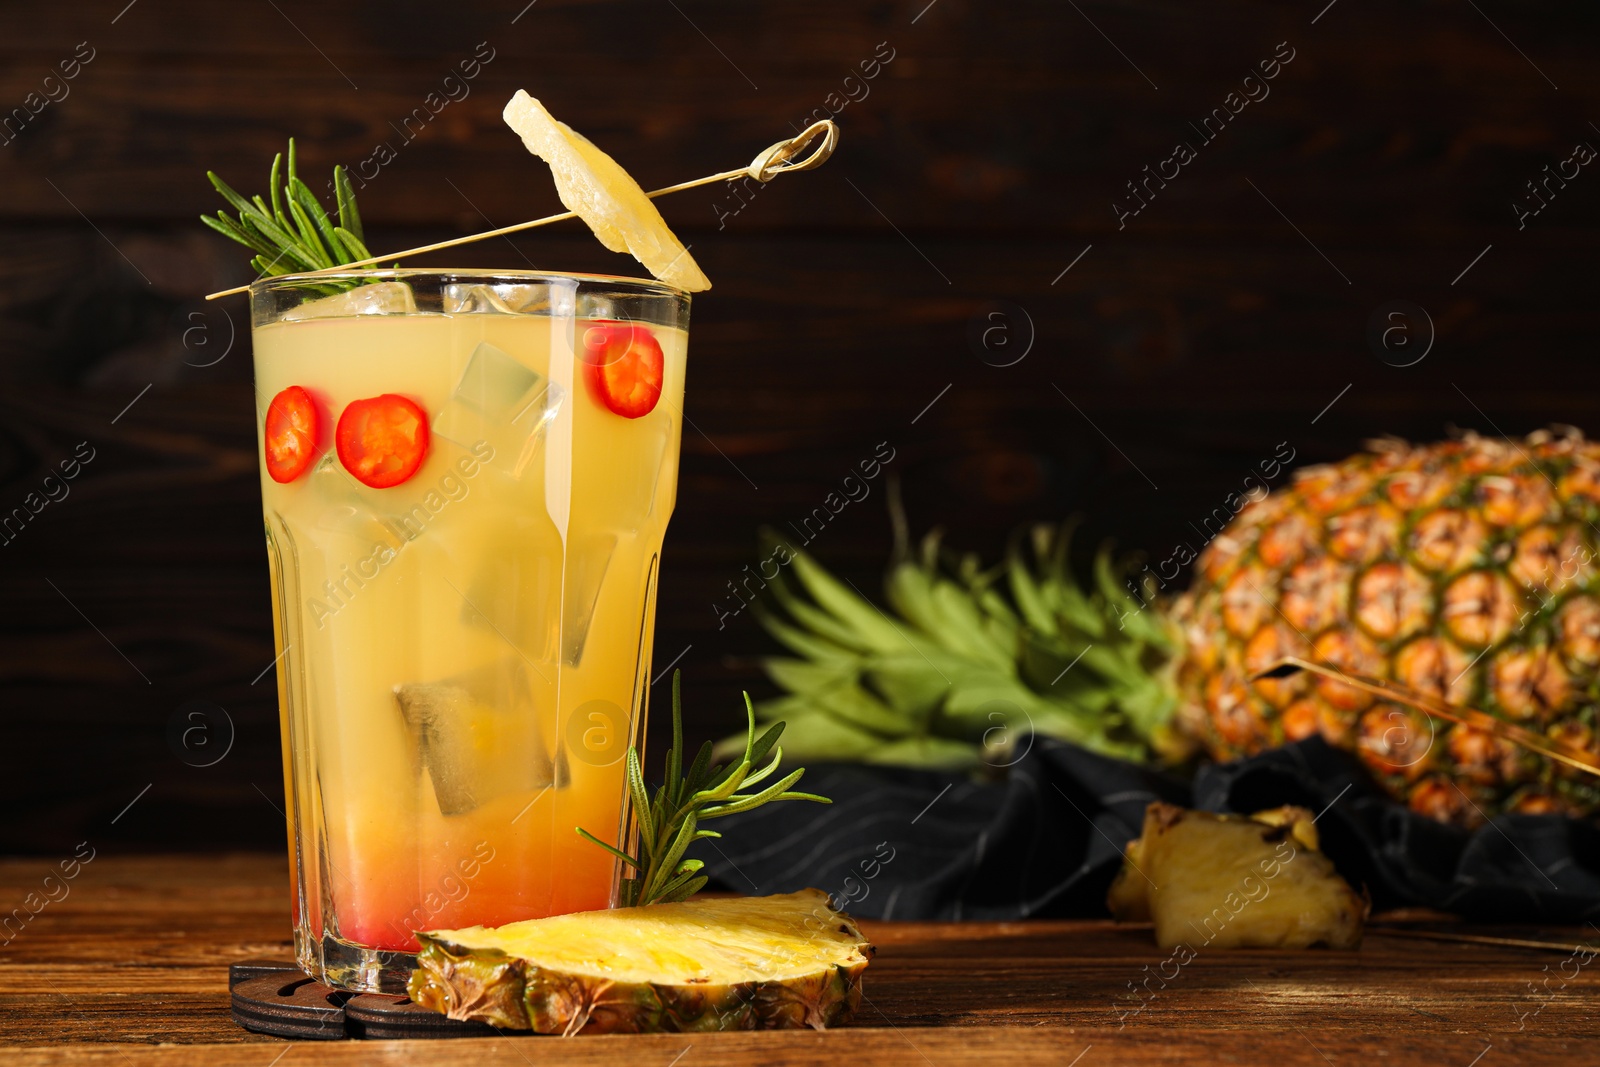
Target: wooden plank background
[(982, 160)]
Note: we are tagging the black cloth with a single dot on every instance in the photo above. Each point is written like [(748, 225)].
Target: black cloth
[(1047, 839)]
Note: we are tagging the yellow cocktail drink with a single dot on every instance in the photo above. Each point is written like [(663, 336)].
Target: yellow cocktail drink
[(466, 479)]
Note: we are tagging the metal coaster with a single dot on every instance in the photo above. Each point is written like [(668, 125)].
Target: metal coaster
[(275, 997)]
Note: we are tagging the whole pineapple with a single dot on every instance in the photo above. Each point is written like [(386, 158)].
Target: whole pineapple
[(1464, 570)]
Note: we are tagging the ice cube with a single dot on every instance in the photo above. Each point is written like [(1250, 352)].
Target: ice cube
[(588, 558), (493, 384), (380, 298), (462, 299), (592, 305), (339, 508), (501, 402), (507, 298), (515, 588), (529, 424), (477, 735)]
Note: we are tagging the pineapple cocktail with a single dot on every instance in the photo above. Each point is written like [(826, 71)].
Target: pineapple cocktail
[(466, 478)]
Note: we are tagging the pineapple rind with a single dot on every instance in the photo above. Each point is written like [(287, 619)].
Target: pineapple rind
[(486, 986), (757, 963)]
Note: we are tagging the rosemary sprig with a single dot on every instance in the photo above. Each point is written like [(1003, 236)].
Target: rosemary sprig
[(293, 233), (669, 822)]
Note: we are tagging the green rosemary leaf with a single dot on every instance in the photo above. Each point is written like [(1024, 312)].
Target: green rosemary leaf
[(319, 218), (664, 891), (686, 871), (736, 804), (698, 771), (305, 231), (675, 851), (721, 776), (687, 891), (338, 252), (765, 742), (271, 232), (746, 761), (292, 174), (641, 801), (352, 244), (272, 189), (225, 226), (776, 791), (230, 229), (721, 791), (763, 773), (240, 204), (308, 236), (675, 753), (621, 855), (814, 797), (251, 228), (286, 260), (349, 214)]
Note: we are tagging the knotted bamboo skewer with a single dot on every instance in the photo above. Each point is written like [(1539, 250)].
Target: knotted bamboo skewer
[(1470, 717), (777, 159)]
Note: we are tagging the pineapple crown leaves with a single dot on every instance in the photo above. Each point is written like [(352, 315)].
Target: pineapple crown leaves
[(1124, 640), (971, 659), (293, 232), (669, 821)]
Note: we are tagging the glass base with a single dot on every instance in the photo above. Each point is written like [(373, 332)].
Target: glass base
[(343, 965)]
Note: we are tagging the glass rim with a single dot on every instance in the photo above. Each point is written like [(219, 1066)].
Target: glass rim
[(641, 286)]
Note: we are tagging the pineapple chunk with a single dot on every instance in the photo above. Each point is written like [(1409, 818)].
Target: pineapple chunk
[(754, 963), (595, 187), (1228, 881)]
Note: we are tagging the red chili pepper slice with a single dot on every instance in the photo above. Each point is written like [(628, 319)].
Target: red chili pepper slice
[(625, 368), (290, 437), (382, 440)]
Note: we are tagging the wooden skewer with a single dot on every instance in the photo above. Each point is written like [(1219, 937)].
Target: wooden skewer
[(1477, 720), (775, 160), (1385, 930)]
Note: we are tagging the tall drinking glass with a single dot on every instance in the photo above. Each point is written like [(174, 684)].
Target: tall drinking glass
[(466, 477)]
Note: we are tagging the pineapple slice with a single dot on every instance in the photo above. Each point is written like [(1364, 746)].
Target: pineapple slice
[(596, 188), (751, 963), (1228, 881)]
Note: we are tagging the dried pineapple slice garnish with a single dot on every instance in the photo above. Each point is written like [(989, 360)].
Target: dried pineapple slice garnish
[(596, 188)]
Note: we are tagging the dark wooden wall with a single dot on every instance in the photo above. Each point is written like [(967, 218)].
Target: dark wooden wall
[(1175, 354)]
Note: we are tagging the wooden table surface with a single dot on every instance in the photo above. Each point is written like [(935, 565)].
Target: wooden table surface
[(130, 969)]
